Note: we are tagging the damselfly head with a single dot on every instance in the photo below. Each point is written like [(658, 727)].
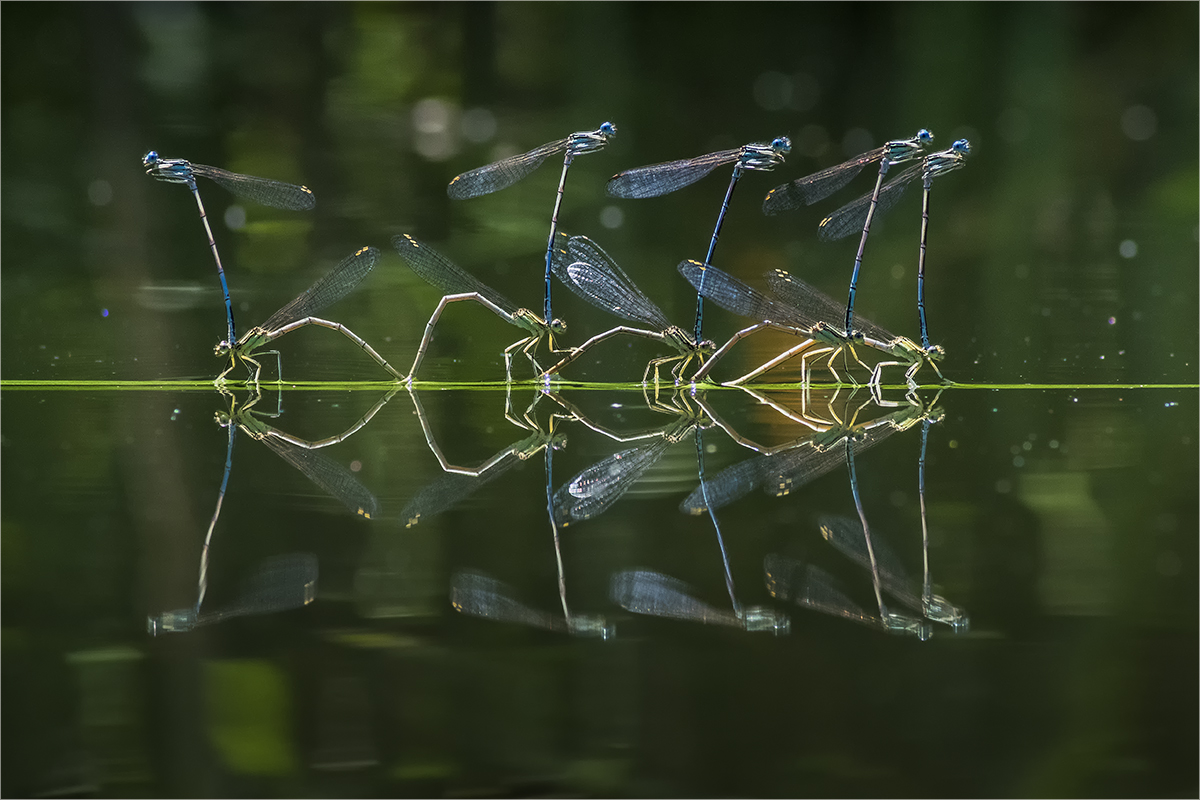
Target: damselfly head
[(924, 136), (150, 159), (935, 352), (222, 348), (222, 418), (589, 141), (558, 441), (962, 146), (558, 326), (764, 156)]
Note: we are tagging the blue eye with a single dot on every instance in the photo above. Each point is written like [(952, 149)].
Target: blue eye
[(924, 135), (962, 146), (608, 128), (783, 143)]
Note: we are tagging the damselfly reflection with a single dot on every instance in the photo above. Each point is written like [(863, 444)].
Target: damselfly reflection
[(474, 593), (588, 271), (280, 583), (856, 538), (648, 592), (460, 482), (458, 285), (302, 454), (660, 179), (298, 313), (506, 172), (810, 586), (595, 489), (287, 581), (479, 595), (813, 402), (849, 538), (652, 593), (784, 470), (261, 190)]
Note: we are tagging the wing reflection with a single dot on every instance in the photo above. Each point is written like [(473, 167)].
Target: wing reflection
[(812, 587), (817, 453), (643, 591), (849, 537), (302, 454), (479, 595), (595, 489), (282, 582), (460, 482)]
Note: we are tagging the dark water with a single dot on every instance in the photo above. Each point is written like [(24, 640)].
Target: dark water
[(1063, 521)]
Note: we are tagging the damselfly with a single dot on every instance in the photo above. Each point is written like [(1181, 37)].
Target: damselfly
[(820, 185), (298, 313), (589, 272), (857, 215), (805, 312), (458, 285), (660, 179), (261, 190), (798, 293), (934, 165), (507, 171)]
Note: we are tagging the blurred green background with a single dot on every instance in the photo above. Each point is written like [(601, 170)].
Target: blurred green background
[(1064, 521)]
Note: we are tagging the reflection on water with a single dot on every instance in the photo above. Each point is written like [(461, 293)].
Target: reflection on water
[(836, 426), (281, 583), (655, 531)]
